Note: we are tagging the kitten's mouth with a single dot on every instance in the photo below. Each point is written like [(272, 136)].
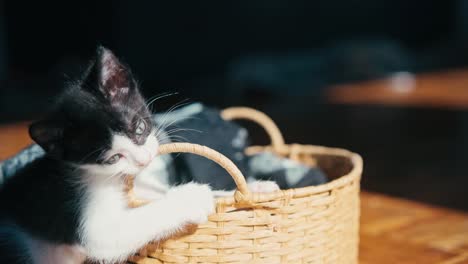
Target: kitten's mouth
[(128, 183)]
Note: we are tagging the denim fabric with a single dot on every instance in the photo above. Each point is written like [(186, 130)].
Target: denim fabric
[(25, 156)]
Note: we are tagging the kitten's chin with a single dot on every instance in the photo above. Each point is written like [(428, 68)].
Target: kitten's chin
[(133, 171)]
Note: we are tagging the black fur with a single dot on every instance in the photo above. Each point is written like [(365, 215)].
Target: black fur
[(43, 199)]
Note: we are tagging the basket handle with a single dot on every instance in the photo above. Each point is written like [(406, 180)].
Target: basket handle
[(277, 140), (242, 195), (213, 155)]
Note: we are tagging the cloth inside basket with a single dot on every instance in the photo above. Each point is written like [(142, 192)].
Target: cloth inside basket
[(202, 125)]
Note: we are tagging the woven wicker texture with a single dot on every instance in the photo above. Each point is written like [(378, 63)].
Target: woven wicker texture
[(317, 224)]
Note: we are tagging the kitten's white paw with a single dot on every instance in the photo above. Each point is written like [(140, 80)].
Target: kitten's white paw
[(198, 201), (263, 186)]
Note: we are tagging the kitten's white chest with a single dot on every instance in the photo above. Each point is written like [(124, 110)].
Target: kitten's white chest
[(104, 222), (104, 205)]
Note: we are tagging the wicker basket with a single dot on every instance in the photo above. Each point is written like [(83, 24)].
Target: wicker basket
[(317, 224)]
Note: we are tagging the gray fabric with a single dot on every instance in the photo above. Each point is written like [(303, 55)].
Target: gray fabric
[(267, 163), (10, 166), (206, 127), (285, 172)]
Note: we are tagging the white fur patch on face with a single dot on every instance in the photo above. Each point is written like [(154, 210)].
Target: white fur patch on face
[(133, 160)]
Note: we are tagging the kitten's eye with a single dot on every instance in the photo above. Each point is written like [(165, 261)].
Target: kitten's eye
[(113, 159), (140, 127)]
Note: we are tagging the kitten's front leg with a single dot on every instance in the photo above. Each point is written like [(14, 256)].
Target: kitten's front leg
[(148, 187), (116, 233)]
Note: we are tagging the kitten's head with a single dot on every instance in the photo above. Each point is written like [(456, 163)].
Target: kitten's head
[(101, 122)]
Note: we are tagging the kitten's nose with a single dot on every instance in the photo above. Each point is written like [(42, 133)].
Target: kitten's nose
[(144, 160), (142, 163)]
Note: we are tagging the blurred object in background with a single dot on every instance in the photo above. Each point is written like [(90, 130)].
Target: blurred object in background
[(275, 78), (414, 130), (243, 48), (3, 48), (446, 90)]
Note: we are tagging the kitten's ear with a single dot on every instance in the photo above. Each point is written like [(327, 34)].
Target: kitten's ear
[(47, 134), (109, 76)]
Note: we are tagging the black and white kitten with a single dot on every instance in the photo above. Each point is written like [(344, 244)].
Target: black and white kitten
[(70, 204)]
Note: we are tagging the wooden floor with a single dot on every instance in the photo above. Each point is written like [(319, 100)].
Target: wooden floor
[(392, 230), (13, 138), (400, 231)]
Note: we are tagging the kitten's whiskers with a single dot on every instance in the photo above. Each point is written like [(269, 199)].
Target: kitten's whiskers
[(163, 125)]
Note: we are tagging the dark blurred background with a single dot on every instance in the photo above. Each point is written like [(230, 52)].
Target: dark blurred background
[(282, 57)]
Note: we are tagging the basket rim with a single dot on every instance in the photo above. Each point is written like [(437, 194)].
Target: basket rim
[(351, 177)]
